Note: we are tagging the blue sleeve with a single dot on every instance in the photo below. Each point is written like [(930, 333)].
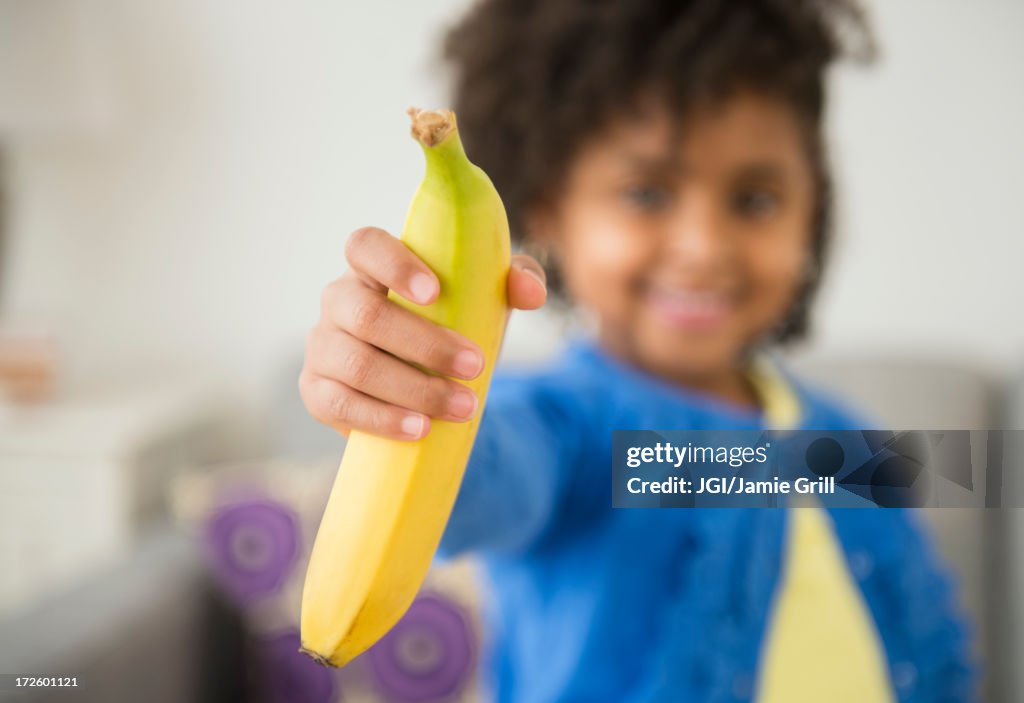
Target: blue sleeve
[(525, 449)]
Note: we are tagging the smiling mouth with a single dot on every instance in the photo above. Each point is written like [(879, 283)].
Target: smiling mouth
[(690, 308)]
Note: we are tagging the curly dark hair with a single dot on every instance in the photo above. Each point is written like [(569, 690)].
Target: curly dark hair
[(579, 63)]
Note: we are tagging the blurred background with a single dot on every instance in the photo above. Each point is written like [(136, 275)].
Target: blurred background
[(176, 184)]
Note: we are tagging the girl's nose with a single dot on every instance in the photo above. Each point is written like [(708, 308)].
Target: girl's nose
[(697, 236)]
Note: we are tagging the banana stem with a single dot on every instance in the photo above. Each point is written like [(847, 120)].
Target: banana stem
[(431, 127), (438, 135)]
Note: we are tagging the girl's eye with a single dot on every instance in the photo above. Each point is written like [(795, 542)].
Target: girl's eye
[(650, 198), (755, 203)]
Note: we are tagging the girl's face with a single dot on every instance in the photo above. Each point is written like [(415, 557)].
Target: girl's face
[(687, 254)]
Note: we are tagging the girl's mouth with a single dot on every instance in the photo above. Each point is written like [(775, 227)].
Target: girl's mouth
[(690, 308)]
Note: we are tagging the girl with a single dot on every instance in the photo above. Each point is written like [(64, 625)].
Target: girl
[(665, 160)]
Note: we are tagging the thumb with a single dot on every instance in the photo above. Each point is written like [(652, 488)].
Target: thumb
[(527, 283)]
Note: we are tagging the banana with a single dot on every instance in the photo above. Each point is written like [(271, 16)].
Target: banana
[(391, 499)]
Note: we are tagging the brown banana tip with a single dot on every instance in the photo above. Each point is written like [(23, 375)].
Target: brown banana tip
[(318, 658), (430, 127)]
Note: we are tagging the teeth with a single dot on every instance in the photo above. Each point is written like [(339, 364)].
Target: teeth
[(687, 305), (696, 298)]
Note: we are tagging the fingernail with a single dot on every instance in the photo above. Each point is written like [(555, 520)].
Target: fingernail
[(462, 404), (468, 364), (422, 287), (536, 276), (412, 425)]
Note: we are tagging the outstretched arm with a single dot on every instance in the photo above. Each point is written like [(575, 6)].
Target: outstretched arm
[(518, 471)]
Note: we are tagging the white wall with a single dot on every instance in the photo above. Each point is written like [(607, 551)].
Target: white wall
[(930, 156), (194, 225)]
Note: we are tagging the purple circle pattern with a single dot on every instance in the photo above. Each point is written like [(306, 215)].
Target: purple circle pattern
[(289, 676), (252, 547), (427, 655)]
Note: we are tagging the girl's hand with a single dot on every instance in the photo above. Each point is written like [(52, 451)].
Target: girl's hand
[(359, 372)]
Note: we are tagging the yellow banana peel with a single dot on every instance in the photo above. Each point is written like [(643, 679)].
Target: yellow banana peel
[(391, 499)]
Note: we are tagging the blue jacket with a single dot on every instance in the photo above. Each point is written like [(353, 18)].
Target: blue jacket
[(595, 604)]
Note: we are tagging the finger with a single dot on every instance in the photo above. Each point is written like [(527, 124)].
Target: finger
[(527, 283), (339, 356), (368, 315), (344, 409), (387, 263)]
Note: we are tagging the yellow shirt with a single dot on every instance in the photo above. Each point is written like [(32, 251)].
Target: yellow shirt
[(821, 643)]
